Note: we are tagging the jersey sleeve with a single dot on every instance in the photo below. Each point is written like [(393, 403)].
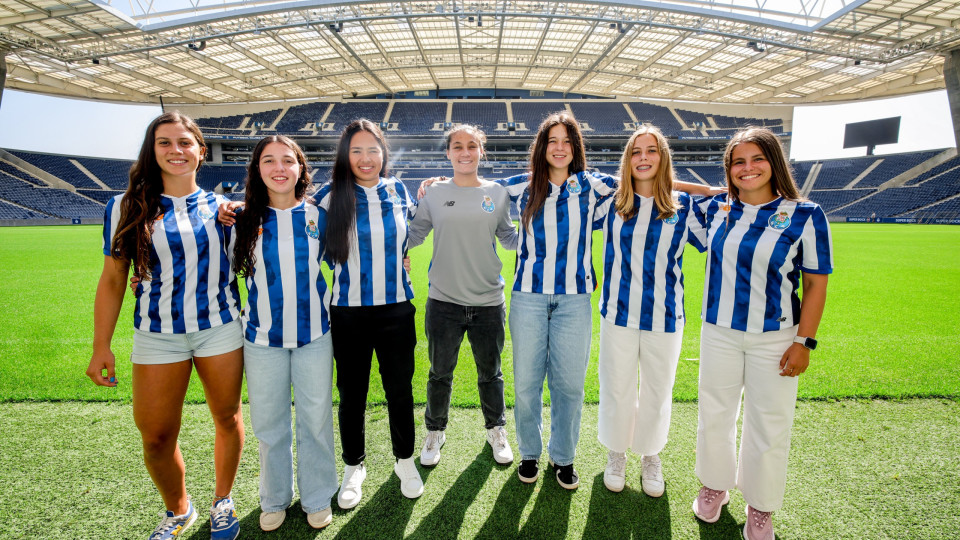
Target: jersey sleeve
[(696, 223), (601, 183), (515, 185), (816, 244), (506, 230), (421, 224), (604, 206), (111, 218)]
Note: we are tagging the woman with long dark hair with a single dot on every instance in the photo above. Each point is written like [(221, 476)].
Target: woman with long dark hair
[(370, 311), (186, 316), (279, 249)]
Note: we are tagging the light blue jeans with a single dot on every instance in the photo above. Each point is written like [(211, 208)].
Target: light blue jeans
[(551, 339), (270, 373)]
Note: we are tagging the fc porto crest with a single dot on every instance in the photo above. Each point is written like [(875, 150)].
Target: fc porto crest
[(393, 195), (312, 230), (779, 221), (573, 186), (204, 211), (487, 204), (672, 220)]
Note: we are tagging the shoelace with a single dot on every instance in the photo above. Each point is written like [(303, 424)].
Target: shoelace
[(759, 518), (711, 494), (432, 441), (651, 468), (168, 523), (618, 464), (499, 439), (221, 515)]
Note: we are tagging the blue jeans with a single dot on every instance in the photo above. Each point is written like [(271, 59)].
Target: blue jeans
[(445, 323), (270, 373), (551, 339)]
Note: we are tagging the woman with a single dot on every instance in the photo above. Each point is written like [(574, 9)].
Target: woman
[(467, 214), (186, 316), (371, 311), (641, 307), (550, 319), (757, 334), (279, 247)]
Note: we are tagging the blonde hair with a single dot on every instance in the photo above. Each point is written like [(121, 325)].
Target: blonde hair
[(662, 182)]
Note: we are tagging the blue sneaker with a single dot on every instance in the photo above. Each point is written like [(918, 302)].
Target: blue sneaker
[(171, 527), (224, 524)]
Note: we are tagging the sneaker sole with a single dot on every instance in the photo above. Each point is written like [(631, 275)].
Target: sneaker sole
[(272, 527), (654, 494), (429, 463), (528, 479), (615, 489), (322, 524), (713, 519), (346, 505)]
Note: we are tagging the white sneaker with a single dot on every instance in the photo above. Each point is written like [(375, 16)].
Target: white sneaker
[(652, 475), (430, 454), (497, 437), (410, 483), (271, 521), (350, 492), (615, 475)]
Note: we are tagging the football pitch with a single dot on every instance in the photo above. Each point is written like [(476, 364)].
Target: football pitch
[(875, 448)]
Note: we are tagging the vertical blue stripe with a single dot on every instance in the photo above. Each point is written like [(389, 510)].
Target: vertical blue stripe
[(108, 227), (301, 251), (715, 260), (745, 254), (626, 269), (584, 204), (649, 277), (321, 284), (563, 239), (390, 245), (203, 262), (270, 252), (608, 254), (673, 293)]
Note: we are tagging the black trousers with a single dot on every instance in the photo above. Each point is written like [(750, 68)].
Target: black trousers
[(358, 332)]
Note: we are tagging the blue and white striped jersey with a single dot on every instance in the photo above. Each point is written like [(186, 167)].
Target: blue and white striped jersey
[(642, 264), (373, 274), (192, 286), (287, 300), (755, 256), (554, 255)]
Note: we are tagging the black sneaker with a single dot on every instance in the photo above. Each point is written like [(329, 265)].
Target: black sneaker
[(528, 471), (566, 475)]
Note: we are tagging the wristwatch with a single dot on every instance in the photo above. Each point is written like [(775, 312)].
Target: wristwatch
[(807, 342)]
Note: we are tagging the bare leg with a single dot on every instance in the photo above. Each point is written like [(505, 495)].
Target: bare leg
[(158, 392), (222, 376)]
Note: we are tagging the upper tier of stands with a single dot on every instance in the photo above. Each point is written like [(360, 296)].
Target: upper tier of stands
[(428, 117)]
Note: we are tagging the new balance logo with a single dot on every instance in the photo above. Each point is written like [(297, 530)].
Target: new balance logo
[(450, 203)]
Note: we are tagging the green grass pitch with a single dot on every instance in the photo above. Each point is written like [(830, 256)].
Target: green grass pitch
[(890, 327)]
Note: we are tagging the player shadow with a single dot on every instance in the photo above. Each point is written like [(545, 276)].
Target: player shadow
[(447, 516), (504, 519), (627, 514)]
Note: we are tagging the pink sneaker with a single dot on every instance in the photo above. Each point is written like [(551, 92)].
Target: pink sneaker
[(708, 504), (759, 525)]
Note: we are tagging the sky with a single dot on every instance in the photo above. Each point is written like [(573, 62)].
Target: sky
[(101, 129)]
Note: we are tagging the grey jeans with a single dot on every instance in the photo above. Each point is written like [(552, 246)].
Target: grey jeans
[(445, 323)]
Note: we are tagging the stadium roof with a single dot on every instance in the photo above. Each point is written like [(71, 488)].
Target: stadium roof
[(740, 51)]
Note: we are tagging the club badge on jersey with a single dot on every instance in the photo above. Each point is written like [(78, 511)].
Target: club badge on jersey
[(312, 230), (779, 221), (673, 219), (393, 195), (573, 185), (487, 204), (204, 212)]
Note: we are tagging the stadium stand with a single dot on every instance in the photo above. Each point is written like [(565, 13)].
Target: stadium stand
[(12, 211), (600, 118), (831, 199), (56, 202), (836, 174), (299, 117), (344, 113), (531, 113), (115, 173), (485, 115), (893, 165), (418, 118), (661, 117), (17, 173)]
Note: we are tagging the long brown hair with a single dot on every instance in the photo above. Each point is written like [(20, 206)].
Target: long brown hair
[(662, 182), (781, 179), (343, 200), (140, 205), (539, 185), (256, 201)]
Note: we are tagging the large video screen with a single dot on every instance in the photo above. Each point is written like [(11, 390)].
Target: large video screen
[(819, 131)]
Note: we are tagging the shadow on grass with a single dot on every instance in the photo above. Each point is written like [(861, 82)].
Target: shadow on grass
[(504, 519), (447, 517), (628, 514), (550, 517), (295, 526)]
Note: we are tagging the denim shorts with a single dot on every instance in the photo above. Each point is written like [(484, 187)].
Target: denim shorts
[(158, 348)]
